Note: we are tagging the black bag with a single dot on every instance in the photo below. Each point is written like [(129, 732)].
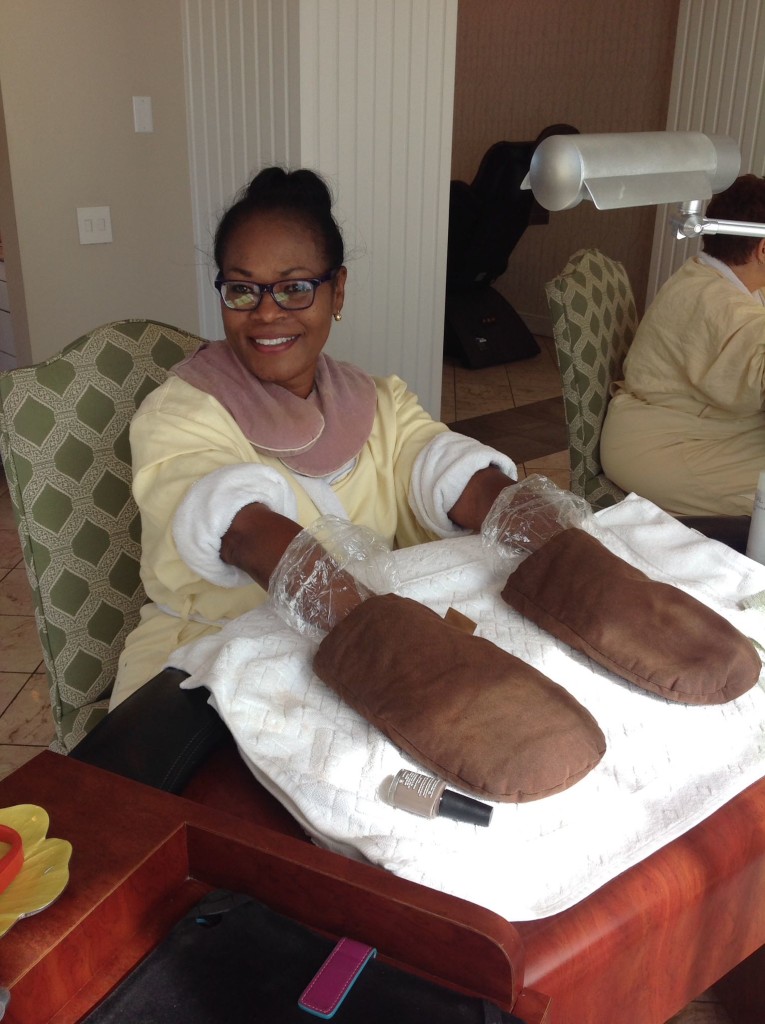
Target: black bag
[(232, 959)]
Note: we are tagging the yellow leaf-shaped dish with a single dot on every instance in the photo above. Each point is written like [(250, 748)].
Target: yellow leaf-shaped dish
[(45, 872)]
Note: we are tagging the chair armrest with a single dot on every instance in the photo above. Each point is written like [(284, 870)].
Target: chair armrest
[(159, 735)]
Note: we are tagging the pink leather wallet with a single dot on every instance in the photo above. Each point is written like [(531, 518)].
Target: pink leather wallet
[(332, 982)]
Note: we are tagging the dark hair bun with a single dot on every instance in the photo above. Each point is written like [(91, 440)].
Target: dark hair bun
[(274, 187), (301, 193)]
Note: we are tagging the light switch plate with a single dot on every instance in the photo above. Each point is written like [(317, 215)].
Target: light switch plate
[(94, 224), (143, 119)]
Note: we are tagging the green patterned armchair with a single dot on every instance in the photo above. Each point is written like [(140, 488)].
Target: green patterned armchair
[(64, 445), (594, 321)]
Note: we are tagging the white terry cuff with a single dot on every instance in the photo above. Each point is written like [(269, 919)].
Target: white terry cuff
[(440, 474), (205, 514)]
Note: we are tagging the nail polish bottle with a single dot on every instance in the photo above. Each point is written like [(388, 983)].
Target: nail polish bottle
[(429, 797)]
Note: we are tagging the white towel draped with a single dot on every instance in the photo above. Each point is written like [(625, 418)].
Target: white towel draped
[(667, 766)]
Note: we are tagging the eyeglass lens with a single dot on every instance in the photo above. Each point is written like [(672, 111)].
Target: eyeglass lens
[(287, 294)]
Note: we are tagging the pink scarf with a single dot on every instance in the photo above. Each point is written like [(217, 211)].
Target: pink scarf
[(314, 436)]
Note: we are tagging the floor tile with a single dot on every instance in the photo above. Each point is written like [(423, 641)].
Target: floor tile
[(11, 684), (15, 593), (547, 345), (7, 520), (555, 466), (27, 720), (529, 380), (481, 391), (528, 432), (19, 644), (10, 549), (532, 380)]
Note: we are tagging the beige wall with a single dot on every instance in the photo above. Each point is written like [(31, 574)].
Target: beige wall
[(68, 72), (10, 240), (601, 65)]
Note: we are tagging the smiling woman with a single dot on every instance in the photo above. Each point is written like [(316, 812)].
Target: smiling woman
[(255, 437)]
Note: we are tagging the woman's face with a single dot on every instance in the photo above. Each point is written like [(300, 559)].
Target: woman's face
[(274, 344)]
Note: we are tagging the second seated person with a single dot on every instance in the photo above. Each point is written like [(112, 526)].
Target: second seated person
[(686, 426), (254, 437)]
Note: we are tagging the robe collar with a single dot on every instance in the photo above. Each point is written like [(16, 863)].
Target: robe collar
[(314, 436)]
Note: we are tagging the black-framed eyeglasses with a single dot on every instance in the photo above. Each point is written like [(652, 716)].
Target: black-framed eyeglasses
[(296, 293)]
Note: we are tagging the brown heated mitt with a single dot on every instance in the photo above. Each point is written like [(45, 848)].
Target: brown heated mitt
[(650, 633), (472, 713)]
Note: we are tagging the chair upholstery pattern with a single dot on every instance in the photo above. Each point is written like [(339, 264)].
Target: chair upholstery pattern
[(65, 448), (594, 321)]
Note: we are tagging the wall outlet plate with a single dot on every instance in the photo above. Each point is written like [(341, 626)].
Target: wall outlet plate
[(94, 224)]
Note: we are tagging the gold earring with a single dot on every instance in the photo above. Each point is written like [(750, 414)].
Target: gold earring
[(337, 316)]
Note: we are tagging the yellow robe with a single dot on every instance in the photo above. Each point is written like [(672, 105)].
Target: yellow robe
[(179, 435), (686, 427)]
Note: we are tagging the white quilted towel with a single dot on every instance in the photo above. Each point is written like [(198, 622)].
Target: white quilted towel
[(666, 768)]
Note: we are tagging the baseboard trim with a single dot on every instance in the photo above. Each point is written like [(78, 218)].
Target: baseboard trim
[(538, 324)]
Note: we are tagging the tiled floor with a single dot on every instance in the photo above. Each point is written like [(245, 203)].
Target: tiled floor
[(515, 407), (26, 726)]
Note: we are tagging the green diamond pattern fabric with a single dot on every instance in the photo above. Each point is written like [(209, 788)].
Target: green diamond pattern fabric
[(64, 445), (594, 321)]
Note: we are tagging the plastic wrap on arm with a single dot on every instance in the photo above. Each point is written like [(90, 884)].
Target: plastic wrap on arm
[(328, 570), (526, 515)]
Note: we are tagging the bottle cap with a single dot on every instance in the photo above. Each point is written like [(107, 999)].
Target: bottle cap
[(464, 808)]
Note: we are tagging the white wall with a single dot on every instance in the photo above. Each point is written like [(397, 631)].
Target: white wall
[(68, 72), (718, 87), (362, 91), (243, 96)]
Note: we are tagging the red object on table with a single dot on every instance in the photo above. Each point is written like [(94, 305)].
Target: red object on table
[(12, 860)]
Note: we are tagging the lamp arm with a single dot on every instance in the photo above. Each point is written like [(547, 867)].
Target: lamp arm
[(690, 224)]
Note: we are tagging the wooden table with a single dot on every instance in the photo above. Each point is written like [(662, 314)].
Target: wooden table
[(142, 858), (647, 943), (634, 952)]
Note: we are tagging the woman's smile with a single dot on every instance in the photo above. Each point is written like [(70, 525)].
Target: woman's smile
[(274, 343)]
